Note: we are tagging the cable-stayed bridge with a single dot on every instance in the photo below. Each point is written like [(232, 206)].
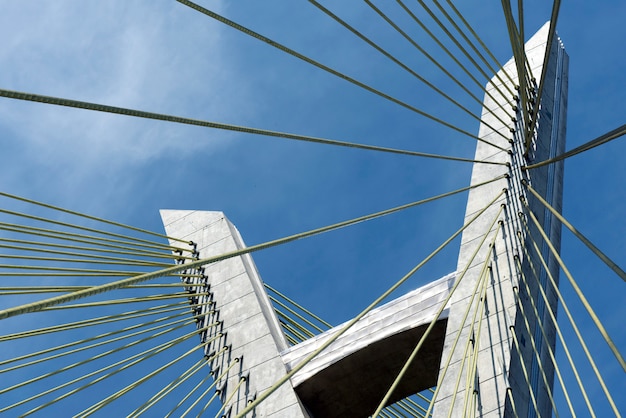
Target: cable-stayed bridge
[(122, 321)]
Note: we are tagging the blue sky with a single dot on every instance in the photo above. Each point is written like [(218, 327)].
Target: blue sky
[(166, 58)]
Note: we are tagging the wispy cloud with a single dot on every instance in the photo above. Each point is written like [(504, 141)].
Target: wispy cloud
[(116, 53)]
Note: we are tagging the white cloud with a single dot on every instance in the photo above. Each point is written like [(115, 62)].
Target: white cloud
[(152, 57)]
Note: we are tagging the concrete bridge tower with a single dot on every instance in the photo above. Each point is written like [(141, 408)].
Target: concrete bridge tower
[(505, 352), (485, 356)]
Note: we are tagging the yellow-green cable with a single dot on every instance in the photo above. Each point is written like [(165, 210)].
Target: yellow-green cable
[(102, 403), (242, 380), (406, 67), (82, 228), (536, 352), (151, 311), (46, 269), (291, 340), (300, 307), (106, 401), (90, 239), (351, 323), (442, 67), (97, 274), (151, 352), (406, 408), (217, 379), (32, 307), (244, 129), (546, 57), (482, 278), (466, 313), (147, 298), (578, 234), (498, 67), (538, 322), (481, 309), (494, 70), (390, 412), (545, 335), (291, 52), (602, 139), (86, 258), (109, 341), (93, 218), (293, 332), (28, 245), (441, 308), (420, 407), (523, 366), (295, 329), (96, 357), (393, 410), (455, 59), (27, 290), (206, 406), (460, 46), (69, 288), (509, 392), (297, 315), (68, 383), (519, 54), (578, 291), (199, 398), (575, 327), (167, 389), (552, 316), (70, 325)]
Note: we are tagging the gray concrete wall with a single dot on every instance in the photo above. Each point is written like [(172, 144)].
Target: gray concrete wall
[(251, 331), (499, 366)]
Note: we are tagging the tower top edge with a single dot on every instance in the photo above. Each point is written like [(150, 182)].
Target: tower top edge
[(169, 216), (541, 37)]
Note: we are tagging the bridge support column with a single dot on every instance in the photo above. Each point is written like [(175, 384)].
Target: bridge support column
[(498, 351), (244, 349)]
